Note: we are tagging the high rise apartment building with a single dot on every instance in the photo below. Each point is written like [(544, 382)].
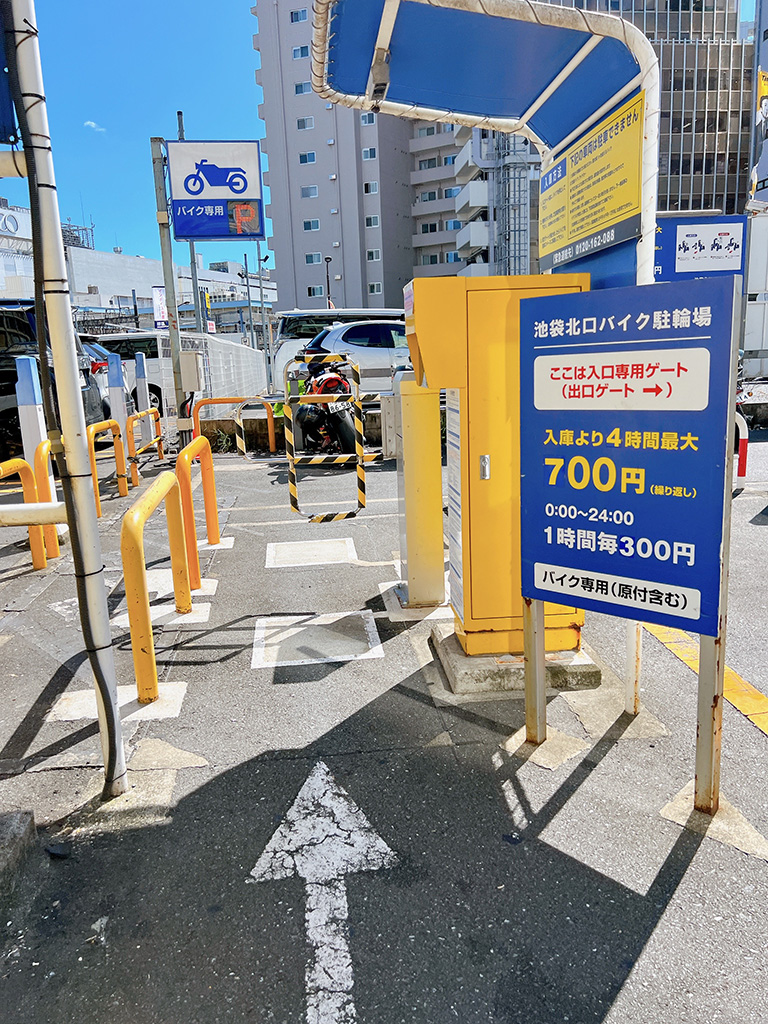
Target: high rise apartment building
[(339, 179), (707, 107), (436, 225)]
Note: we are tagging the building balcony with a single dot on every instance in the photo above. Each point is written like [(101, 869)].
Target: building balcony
[(475, 270), (472, 237), (433, 206), (434, 238), (462, 133), (436, 174), (472, 198), (465, 167), (439, 270), (440, 140)]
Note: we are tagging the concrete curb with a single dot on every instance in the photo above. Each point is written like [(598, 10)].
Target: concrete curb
[(566, 670), (17, 837)]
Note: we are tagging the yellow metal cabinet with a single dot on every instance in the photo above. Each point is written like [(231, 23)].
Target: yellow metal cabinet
[(464, 336)]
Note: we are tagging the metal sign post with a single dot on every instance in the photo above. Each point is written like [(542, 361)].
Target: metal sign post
[(172, 311), (626, 405)]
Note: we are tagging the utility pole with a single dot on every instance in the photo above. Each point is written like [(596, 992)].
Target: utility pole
[(264, 338), (135, 308), (248, 293), (192, 253), (163, 227), (78, 492)]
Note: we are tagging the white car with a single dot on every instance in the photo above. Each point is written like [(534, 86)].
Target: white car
[(378, 347)]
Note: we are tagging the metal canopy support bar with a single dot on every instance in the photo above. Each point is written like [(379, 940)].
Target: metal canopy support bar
[(556, 82)]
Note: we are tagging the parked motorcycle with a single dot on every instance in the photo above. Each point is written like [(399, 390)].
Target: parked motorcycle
[(327, 427)]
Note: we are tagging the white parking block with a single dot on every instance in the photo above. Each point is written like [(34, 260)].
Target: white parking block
[(335, 551), (225, 544), (77, 705)]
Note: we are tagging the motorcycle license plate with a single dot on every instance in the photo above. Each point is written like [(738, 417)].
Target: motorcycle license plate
[(338, 406)]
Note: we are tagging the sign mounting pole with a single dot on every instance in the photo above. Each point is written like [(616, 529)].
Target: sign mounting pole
[(192, 252), (163, 226)]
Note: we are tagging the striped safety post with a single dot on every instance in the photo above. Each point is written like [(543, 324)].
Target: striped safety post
[(741, 465), (359, 458)]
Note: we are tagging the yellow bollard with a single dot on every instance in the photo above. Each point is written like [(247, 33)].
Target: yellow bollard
[(42, 456), (157, 439), (117, 444), (166, 486), (24, 470), (199, 447), (237, 400)]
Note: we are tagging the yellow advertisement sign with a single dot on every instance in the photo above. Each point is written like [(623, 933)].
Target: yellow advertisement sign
[(591, 198)]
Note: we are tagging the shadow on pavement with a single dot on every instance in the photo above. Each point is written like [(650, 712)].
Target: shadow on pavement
[(473, 924)]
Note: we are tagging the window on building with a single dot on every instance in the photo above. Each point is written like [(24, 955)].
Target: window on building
[(313, 257), (300, 15), (453, 225), (307, 158), (429, 260), (427, 163), (309, 191), (452, 257), (300, 88), (429, 130), (454, 190), (374, 288), (428, 197), (368, 117), (300, 51), (370, 188), (303, 123), (369, 153), (429, 228), (372, 255), (448, 127), (449, 160), (315, 291), (312, 225), (373, 221)]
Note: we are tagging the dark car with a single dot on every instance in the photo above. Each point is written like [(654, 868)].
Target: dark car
[(17, 338)]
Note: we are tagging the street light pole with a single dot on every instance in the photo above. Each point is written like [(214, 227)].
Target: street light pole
[(328, 261), (248, 293)]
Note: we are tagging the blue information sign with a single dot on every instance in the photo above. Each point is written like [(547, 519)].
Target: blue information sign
[(216, 190), (626, 401), (688, 247)]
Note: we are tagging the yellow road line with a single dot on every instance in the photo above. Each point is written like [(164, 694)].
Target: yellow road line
[(746, 698)]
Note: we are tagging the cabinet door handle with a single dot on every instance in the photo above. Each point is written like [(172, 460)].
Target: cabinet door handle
[(485, 467)]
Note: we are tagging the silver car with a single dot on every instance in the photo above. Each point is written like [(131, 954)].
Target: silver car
[(378, 347)]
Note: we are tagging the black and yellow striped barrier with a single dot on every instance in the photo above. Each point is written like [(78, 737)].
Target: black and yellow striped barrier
[(359, 458)]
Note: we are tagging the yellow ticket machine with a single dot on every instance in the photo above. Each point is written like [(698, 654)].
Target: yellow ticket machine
[(464, 336)]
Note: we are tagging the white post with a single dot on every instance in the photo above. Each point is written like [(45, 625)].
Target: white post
[(142, 398), (32, 419), (117, 392), (90, 565), (535, 671), (646, 258)]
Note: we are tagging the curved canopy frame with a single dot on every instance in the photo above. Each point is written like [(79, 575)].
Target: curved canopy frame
[(544, 72)]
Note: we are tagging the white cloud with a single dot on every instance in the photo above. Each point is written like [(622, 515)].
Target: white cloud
[(92, 124)]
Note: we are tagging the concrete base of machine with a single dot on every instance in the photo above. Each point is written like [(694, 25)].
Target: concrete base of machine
[(486, 673)]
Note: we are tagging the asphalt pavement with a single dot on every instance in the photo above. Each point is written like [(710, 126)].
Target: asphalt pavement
[(318, 830)]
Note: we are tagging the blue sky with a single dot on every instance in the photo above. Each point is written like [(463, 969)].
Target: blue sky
[(127, 69)]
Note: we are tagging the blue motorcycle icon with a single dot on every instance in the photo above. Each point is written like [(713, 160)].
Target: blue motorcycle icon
[(217, 177)]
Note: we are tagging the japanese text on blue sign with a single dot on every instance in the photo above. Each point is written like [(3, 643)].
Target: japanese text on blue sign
[(625, 410)]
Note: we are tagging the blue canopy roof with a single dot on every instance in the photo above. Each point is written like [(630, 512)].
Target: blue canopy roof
[(543, 71)]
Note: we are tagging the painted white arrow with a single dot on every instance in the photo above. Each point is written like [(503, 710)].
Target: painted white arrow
[(324, 837)]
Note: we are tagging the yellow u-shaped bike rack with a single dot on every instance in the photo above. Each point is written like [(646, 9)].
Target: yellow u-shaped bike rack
[(117, 444), (28, 486), (133, 454), (198, 448), (42, 457), (165, 486)]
